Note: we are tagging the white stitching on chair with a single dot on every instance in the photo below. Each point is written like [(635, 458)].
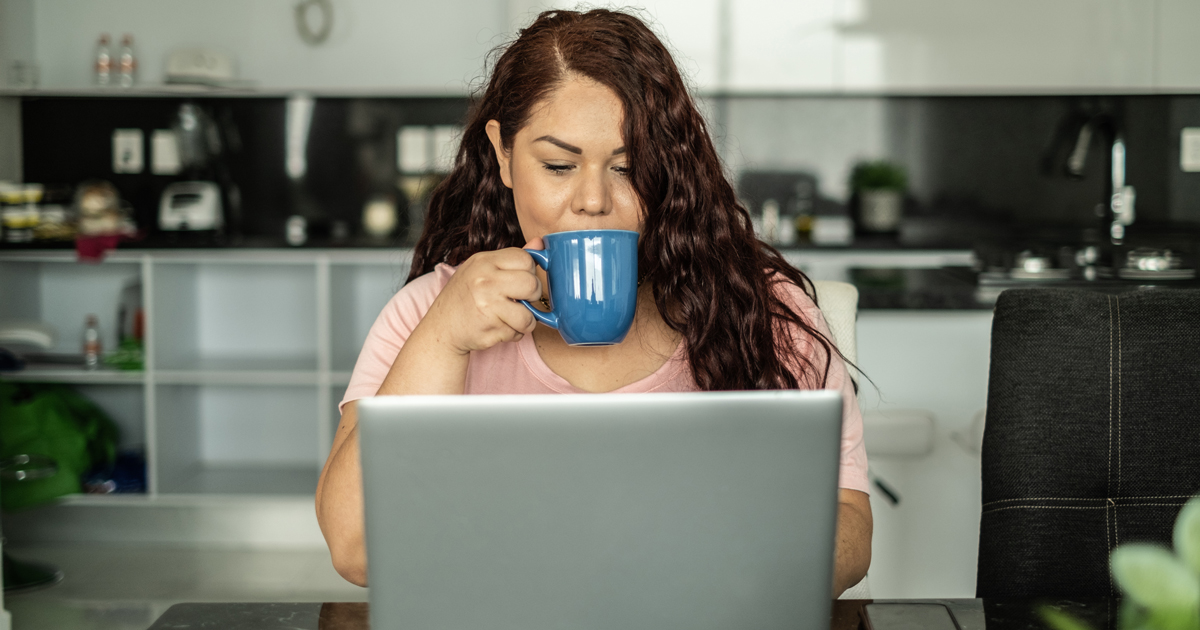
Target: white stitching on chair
[(1160, 496), (1116, 525), (1110, 396), (1105, 507), (1116, 521), (1120, 393), (1108, 541)]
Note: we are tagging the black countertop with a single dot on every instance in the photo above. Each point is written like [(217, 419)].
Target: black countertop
[(969, 614), (960, 288), (948, 288)]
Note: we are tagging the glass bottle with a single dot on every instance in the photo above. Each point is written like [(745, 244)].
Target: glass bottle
[(128, 63), (103, 68), (91, 343)]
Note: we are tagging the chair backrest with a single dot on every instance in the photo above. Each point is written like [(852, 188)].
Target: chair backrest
[(839, 304), (1091, 434)]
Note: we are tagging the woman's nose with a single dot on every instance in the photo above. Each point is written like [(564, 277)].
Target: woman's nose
[(592, 194)]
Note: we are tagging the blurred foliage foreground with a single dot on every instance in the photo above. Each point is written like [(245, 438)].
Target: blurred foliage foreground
[(1161, 588)]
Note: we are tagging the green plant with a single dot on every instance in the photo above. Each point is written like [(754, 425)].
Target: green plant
[(1162, 589), (878, 175)]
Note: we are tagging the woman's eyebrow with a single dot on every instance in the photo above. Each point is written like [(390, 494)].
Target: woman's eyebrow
[(570, 147)]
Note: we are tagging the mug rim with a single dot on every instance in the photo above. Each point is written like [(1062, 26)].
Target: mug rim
[(567, 233)]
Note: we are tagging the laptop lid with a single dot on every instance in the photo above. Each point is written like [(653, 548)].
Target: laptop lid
[(702, 510)]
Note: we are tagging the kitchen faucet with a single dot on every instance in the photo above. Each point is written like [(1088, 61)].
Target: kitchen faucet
[(1121, 197)]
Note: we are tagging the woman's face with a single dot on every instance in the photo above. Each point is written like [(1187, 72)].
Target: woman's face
[(567, 167)]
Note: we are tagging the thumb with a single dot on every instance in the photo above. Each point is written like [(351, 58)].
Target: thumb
[(535, 243)]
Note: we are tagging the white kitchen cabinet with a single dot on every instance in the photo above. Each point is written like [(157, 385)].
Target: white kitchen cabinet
[(689, 28), (935, 362), (247, 355), (1178, 45), (782, 46), (986, 46)]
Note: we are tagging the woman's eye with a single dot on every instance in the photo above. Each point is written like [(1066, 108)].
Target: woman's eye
[(621, 170), (557, 169)]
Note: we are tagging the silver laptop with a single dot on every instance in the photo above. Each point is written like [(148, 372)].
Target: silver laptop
[(601, 512)]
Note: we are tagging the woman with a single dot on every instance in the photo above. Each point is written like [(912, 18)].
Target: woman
[(585, 123)]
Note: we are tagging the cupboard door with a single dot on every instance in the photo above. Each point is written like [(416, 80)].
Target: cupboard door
[(1178, 46), (687, 27), (778, 46), (954, 45), (690, 31)]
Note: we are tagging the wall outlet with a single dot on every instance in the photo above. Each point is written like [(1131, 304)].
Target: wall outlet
[(127, 151), (1189, 150), (413, 150), (164, 152)]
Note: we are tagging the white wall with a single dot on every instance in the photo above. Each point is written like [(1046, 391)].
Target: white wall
[(430, 47), (16, 40), (815, 46), (385, 45), (689, 28), (16, 44)]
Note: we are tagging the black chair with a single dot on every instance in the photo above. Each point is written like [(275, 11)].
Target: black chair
[(1092, 438)]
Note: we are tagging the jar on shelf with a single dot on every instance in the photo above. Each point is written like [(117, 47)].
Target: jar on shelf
[(18, 215)]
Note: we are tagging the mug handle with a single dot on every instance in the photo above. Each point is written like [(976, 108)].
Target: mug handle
[(543, 260)]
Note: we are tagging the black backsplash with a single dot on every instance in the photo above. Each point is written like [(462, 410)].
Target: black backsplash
[(997, 159), (351, 155)]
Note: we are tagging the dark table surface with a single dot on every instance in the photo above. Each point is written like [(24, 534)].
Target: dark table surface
[(969, 614)]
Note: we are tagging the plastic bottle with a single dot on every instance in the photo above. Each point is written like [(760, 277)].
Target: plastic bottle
[(104, 64), (128, 63), (91, 343)]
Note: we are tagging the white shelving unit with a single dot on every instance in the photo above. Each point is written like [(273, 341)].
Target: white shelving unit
[(247, 354)]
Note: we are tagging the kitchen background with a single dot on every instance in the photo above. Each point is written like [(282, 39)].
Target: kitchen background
[(1000, 117)]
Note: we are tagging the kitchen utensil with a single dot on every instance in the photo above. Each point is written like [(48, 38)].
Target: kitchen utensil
[(203, 66), (190, 206)]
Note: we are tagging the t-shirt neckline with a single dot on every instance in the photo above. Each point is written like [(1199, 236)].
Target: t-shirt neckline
[(537, 366)]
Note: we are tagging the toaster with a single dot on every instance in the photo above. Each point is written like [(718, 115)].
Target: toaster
[(190, 206)]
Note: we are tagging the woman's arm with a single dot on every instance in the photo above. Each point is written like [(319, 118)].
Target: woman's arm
[(474, 311), (853, 544)]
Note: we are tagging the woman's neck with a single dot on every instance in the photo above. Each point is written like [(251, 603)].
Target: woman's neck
[(649, 344)]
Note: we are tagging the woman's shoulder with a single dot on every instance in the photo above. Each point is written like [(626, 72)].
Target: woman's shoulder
[(795, 296), (414, 299), (431, 283)]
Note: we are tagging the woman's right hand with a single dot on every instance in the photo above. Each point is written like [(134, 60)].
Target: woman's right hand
[(477, 309)]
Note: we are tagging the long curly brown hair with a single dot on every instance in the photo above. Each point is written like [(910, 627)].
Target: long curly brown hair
[(713, 280)]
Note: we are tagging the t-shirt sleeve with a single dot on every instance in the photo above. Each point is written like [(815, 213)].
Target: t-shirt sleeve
[(390, 330), (852, 473)]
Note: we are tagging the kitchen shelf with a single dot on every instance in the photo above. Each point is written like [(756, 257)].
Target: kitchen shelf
[(74, 375), (246, 378), (248, 351), (200, 91), (243, 480)]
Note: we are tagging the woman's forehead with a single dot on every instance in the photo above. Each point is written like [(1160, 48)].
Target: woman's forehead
[(579, 110)]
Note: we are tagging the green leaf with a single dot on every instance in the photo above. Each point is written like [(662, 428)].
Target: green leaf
[(1058, 620), (1153, 577), (1175, 619), (1187, 534)]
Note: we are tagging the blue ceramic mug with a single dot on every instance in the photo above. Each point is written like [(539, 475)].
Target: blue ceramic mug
[(593, 285)]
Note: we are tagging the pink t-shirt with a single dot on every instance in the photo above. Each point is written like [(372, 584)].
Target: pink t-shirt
[(517, 368)]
